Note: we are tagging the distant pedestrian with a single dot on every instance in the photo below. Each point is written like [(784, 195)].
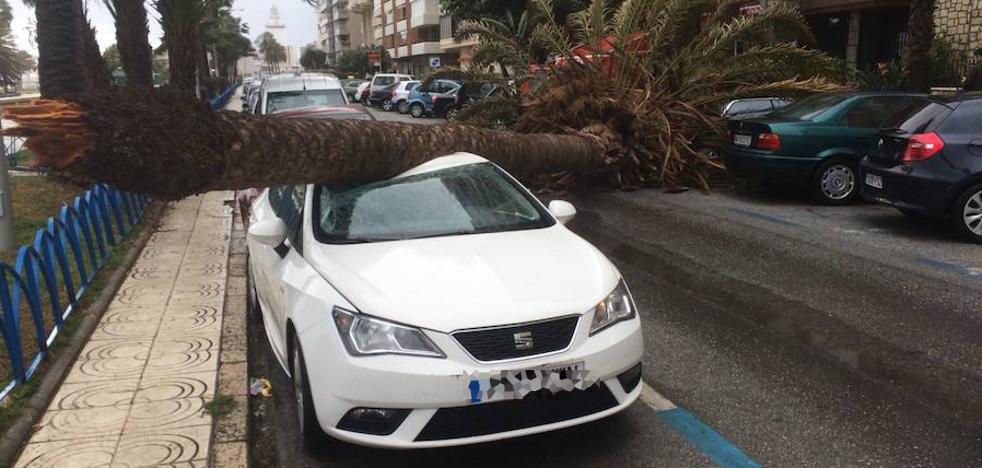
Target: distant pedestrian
[(973, 82)]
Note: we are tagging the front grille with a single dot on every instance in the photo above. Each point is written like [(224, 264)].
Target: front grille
[(495, 344), (534, 410)]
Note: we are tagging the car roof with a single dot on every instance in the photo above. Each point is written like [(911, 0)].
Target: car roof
[(306, 81), (444, 162), (308, 111)]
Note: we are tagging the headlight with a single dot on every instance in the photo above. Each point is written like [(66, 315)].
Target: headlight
[(366, 336), (617, 307)]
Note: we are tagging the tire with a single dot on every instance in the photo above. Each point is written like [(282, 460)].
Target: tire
[(967, 215), (253, 310), (416, 110), (310, 430), (387, 105), (403, 107), (452, 114), (836, 182)]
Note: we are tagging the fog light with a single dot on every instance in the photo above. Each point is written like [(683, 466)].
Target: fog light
[(377, 421), (629, 379)]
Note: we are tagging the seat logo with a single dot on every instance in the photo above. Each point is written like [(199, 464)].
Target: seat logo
[(523, 340)]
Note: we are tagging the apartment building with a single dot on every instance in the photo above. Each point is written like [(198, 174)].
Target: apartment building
[(409, 31), (342, 26)]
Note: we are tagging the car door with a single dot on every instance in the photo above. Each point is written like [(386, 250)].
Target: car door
[(861, 121), (275, 266)]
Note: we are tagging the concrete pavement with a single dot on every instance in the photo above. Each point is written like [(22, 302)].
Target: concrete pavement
[(137, 393)]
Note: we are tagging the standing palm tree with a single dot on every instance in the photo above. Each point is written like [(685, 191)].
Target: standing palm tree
[(272, 51), (921, 27), (132, 38), (180, 20), (13, 62), (58, 26)]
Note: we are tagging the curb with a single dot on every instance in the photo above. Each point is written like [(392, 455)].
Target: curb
[(50, 381), (230, 432)]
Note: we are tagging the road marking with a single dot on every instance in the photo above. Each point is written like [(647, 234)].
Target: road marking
[(950, 267), (709, 442), (765, 217)]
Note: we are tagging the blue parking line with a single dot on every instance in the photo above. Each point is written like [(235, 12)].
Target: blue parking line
[(704, 438), (765, 217), (950, 267)]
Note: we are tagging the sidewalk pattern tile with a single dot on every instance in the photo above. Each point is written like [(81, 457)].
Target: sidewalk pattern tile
[(136, 395)]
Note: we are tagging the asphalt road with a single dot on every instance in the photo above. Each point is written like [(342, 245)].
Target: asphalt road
[(803, 335)]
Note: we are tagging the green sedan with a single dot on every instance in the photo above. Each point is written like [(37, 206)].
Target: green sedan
[(816, 142)]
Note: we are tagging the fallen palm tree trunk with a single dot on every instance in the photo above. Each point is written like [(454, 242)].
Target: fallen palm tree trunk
[(167, 146)]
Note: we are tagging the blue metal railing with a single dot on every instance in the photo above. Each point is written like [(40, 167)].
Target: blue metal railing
[(219, 101), (73, 245)]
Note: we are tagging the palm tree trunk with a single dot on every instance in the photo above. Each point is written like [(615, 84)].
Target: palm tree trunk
[(97, 75), (132, 38), (921, 28), (59, 71), (130, 139), (179, 19)]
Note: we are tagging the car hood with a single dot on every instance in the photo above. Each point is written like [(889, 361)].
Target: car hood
[(457, 282)]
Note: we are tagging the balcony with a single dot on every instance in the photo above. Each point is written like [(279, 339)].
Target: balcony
[(403, 51), (425, 12), (401, 26), (426, 48)]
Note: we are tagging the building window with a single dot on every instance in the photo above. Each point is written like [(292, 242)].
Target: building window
[(428, 33)]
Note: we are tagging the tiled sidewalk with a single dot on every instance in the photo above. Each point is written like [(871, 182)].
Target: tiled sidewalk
[(136, 395)]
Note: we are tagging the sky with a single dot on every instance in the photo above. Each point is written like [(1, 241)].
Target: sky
[(300, 20)]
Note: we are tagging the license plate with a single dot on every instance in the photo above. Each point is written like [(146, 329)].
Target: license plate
[(742, 140), (874, 180), (483, 387)]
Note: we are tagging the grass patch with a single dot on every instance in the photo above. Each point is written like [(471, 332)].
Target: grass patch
[(23, 159), (34, 199), (221, 406)]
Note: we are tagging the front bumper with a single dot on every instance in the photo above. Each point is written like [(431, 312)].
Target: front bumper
[(436, 390), (748, 162)]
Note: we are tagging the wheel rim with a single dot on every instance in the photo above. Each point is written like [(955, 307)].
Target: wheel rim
[(387, 105), (298, 386), (417, 111), (451, 115), (838, 182), (972, 214)]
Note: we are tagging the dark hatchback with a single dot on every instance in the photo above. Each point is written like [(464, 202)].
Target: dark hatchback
[(816, 142), (928, 162)]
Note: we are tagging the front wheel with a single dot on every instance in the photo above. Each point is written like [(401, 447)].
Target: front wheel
[(835, 182), (310, 429), (452, 114), (416, 110), (387, 105), (968, 214)]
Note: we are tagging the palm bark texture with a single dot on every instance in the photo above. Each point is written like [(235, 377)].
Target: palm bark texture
[(169, 146), (59, 47), (132, 34)]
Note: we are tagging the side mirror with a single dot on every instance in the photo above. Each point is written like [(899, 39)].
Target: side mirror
[(270, 232), (563, 211)]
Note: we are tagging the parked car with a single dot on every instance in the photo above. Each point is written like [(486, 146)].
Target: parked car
[(351, 88), (449, 104), (816, 142), (753, 107), (362, 89), (928, 162), (382, 80), (421, 99), (400, 96), (380, 96), (326, 112), (293, 91), (444, 306)]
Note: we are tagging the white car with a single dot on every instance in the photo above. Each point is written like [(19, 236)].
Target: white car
[(400, 97), (444, 306), (301, 90), (362, 89)]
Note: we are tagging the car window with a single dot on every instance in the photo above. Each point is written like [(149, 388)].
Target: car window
[(383, 80), (809, 108), (918, 117), (294, 99), (287, 203), (872, 112), (747, 106), (469, 199), (966, 119)]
